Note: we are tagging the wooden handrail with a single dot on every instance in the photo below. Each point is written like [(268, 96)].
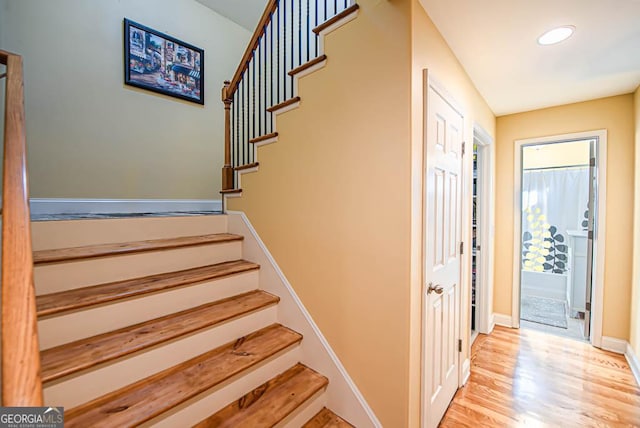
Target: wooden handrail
[(253, 43), (21, 382)]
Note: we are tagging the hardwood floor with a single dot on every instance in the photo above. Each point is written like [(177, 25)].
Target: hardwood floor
[(529, 378)]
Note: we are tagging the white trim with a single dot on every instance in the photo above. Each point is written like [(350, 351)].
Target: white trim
[(613, 344), (285, 108), (486, 160), (597, 305), (634, 362), (353, 405), (43, 206), (339, 23), (309, 70), (466, 370), (502, 320), (267, 141)]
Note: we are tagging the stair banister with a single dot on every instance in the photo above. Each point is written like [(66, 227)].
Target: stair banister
[(284, 43), (21, 382), (230, 88)]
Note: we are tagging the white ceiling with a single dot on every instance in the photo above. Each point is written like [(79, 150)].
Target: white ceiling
[(495, 40), (245, 13)]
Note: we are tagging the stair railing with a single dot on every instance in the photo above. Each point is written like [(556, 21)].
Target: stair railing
[(21, 382), (285, 38)]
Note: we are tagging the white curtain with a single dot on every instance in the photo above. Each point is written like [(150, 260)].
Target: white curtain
[(561, 194)]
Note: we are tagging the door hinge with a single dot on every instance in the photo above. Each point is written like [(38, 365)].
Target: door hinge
[(590, 234), (463, 144), (461, 247), (459, 345), (588, 306), (592, 162)]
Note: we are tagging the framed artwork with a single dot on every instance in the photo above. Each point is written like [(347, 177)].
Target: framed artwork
[(160, 63)]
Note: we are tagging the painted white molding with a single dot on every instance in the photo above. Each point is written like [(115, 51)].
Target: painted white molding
[(343, 394), (486, 222), (613, 344), (502, 320), (597, 291), (41, 206), (634, 362), (466, 371)]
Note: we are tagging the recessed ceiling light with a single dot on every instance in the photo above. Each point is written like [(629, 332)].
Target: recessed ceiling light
[(556, 35)]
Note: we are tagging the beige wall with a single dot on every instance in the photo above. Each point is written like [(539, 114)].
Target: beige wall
[(615, 114), (430, 51), (331, 201), (89, 136), (575, 153), (338, 198), (635, 295)]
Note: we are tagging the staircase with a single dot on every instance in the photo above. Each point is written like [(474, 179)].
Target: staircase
[(163, 322)]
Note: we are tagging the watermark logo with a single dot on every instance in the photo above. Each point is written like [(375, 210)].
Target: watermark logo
[(31, 417)]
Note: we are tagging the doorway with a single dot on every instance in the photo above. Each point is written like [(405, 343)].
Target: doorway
[(559, 238), (481, 233), (442, 293)]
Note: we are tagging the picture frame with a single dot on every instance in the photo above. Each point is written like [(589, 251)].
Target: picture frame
[(160, 63)]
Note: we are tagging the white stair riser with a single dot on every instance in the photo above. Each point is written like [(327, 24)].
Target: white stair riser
[(59, 329), (74, 390), (306, 411), (54, 277), (77, 233), (209, 402)]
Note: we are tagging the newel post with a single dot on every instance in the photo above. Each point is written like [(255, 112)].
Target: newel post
[(227, 169)]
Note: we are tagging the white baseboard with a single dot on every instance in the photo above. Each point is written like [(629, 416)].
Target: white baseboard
[(41, 206), (344, 397), (502, 320), (612, 344), (466, 371), (634, 362)]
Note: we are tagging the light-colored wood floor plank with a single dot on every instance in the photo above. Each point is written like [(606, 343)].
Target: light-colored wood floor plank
[(524, 377)]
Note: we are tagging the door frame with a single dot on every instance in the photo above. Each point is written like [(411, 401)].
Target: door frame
[(597, 290), (486, 163), (464, 364)]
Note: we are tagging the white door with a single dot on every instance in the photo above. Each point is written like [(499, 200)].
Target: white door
[(441, 301)]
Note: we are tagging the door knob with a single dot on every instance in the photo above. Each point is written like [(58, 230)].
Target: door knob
[(438, 288)]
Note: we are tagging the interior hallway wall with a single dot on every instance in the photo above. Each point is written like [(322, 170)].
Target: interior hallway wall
[(615, 114), (89, 135), (331, 201), (430, 51), (635, 296)]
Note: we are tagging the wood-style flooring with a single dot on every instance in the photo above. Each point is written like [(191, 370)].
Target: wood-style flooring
[(533, 379)]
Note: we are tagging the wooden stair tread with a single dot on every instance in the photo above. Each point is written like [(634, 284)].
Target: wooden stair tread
[(329, 22), (102, 250), (246, 166), (271, 402), (263, 138), (149, 397), (62, 301), (325, 418), (308, 64), (283, 104), (230, 191), (72, 357)]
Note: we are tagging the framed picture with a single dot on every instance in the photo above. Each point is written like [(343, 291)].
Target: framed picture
[(160, 63)]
